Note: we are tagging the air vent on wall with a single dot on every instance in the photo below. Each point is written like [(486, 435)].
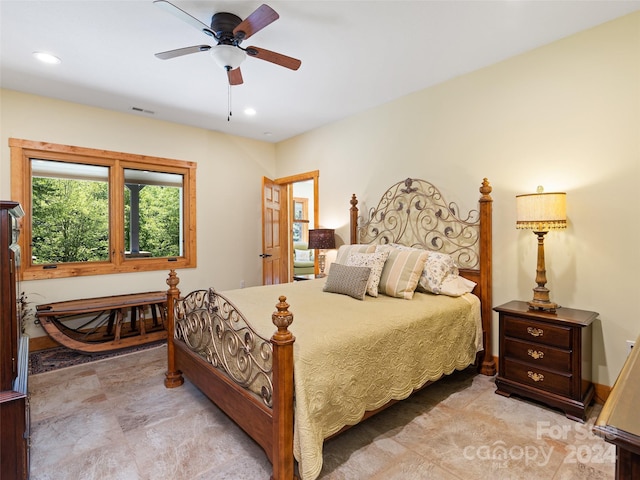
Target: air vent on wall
[(142, 110)]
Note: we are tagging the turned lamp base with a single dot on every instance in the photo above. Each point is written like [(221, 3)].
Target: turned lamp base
[(541, 293), (546, 306), (322, 258)]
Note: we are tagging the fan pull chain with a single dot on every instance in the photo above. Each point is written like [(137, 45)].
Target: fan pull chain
[(229, 102)]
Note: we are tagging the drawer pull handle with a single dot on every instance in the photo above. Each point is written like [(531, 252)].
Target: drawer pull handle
[(535, 332), (536, 377), (536, 354)]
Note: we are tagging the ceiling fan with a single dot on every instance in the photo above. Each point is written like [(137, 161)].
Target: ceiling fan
[(230, 31)]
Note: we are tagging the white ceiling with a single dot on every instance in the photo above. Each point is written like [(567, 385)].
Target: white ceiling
[(355, 54)]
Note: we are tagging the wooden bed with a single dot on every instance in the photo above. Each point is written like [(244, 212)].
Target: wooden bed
[(251, 377)]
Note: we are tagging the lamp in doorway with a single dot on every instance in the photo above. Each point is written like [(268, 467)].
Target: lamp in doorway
[(541, 212), (322, 239)]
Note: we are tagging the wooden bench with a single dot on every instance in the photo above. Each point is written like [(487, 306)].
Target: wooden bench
[(107, 330)]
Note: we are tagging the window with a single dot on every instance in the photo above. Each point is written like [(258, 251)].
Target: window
[(300, 219), (92, 212)]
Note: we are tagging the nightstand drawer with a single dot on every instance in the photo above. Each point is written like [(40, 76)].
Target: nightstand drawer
[(538, 355), (538, 377), (539, 332)]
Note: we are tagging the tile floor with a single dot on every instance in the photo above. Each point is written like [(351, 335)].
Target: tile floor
[(114, 419)]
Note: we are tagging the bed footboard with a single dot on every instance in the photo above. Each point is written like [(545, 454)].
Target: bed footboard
[(248, 377)]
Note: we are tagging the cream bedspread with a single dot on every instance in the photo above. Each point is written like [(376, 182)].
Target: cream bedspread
[(351, 356)]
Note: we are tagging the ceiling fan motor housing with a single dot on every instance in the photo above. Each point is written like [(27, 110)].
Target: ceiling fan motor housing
[(222, 24), (230, 31)]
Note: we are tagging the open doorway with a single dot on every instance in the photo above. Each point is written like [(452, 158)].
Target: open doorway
[(303, 220), (298, 214)]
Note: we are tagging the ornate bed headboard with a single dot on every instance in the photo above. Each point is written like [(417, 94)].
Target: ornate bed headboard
[(414, 213)]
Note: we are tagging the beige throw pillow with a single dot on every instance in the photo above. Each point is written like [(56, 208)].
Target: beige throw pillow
[(401, 271), (346, 250)]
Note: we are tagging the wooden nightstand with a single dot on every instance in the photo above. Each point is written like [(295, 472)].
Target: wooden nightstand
[(546, 356)]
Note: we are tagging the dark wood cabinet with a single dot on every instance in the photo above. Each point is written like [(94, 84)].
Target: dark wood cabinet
[(546, 356), (14, 463)]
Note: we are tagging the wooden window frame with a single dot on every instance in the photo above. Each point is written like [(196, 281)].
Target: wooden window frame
[(22, 151), (304, 221)]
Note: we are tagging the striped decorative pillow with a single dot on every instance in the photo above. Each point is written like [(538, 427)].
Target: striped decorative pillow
[(401, 271)]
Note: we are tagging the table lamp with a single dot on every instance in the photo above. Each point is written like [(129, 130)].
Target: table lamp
[(541, 212), (322, 239)]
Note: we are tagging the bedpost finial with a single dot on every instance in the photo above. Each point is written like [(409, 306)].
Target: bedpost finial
[(173, 280), (486, 189), (282, 318), (354, 200)]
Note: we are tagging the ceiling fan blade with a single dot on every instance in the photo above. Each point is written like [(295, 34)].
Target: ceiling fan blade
[(184, 16), (274, 57), (235, 76), (182, 51), (260, 18)]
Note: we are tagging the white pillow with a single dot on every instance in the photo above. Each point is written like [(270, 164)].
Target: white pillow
[(454, 286), (303, 255), (345, 250), (437, 269), (375, 261)]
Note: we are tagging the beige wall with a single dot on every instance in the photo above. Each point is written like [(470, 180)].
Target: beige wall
[(229, 179), (566, 116)]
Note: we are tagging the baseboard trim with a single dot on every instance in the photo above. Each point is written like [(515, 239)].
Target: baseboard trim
[(602, 393)]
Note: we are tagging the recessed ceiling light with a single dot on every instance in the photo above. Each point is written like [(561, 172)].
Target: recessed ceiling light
[(47, 58), (249, 111)]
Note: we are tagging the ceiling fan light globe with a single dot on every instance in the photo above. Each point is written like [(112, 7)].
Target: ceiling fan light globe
[(228, 56)]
